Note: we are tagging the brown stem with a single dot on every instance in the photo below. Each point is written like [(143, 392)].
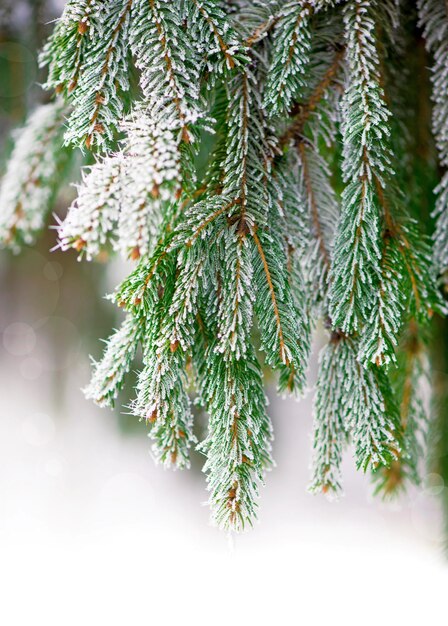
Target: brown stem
[(305, 110)]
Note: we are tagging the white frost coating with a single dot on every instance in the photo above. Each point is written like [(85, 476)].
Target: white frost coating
[(162, 400), (121, 197), (330, 431), (237, 295), (291, 52), (152, 179), (108, 375), (434, 19), (351, 400), (238, 446), (93, 215), (366, 160), (27, 187), (169, 84)]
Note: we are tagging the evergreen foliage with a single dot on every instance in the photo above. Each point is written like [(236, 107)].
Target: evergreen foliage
[(248, 160), (31, 177)]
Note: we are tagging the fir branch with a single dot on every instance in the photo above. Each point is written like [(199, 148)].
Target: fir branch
[(356, 269), (433, 16), (330, 418), (283, 321), (162, 397), (93, 215), (250, 150), (290, 57), (319, 199), (109, 373), (215, 37), (380, 335), (67, 50), (154, 168), (32, 175), (255, 19), (181, 320), (302, 112), (238, 442), (235, 311), (411, 382), (406, 276), (98, 104), (162, 400), (374, 417), (168, 78)]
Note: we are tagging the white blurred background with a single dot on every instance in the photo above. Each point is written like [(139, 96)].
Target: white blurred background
[(93, 532)]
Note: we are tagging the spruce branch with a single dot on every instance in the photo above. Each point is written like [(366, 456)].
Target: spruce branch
[(411, 381), (98, 104), (169, 79), (220, 129), (109, 373), (238, 442), (32, 175), (67, 50), (365, 127), (215, 36), (433, 16), (290, 54), (235, 312), (317, 195), (380, 335), (330, 418), (283, 321), (374, 420), (92, 216)]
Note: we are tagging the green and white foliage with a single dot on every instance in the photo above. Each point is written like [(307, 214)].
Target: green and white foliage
[(380, 335), (162, 399), (67, 51), (32, 175), (121, 197), (154, 167), (330, 418), (214, 37), (238, 442), (407, 289), (411, 382), (282, 319), (311, 135), (102, 77), (109, 373), (434, 20), (253, 19), (235, 310), (93, 215), (352, 401), (290, 56), (374, 420), (318, 196), (220, 128), (365, 128), (169, 78), (249, 152)]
